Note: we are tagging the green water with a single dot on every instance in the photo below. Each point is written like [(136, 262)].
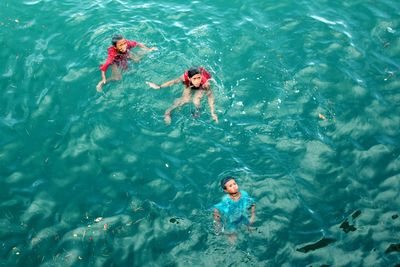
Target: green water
[(326, 186)]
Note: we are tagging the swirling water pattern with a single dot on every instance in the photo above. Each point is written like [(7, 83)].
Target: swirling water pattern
[(306, 94)]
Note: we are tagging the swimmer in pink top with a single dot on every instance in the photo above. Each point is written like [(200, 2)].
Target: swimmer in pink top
[(194, 79), (118, 56)]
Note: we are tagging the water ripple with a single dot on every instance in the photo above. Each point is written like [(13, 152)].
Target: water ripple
[(307, 99)]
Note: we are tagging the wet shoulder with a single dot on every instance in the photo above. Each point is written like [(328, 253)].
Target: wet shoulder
[(244, 194), (112, 51), (205, 74), (246, 197), (132, 43)]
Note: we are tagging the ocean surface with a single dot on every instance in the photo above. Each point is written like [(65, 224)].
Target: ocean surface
[(307, 94)]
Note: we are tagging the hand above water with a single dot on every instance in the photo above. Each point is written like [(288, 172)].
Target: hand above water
[(153, 85), (214, 117)]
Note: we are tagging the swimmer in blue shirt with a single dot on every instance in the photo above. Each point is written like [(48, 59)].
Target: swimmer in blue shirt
[(234, 210)]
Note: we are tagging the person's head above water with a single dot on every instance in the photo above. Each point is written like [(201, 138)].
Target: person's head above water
[(194, 76), (119, 42), (193, 71), (228, 184), (116, 38), (225, 181)]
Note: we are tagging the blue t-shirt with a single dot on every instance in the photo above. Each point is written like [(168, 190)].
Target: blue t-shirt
[(235, 213)]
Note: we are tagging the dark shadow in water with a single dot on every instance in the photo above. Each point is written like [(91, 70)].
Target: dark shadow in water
[(393, 248), (356, 214), (175, 220), (394, 217), (346, 226), (319, 244)]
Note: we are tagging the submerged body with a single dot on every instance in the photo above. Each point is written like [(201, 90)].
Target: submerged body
[(235, 213), (117, 58), (236, 209), (194, 80)]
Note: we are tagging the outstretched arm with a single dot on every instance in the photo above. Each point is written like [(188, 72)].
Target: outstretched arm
[(142, 46), (103, 77), (103, 69), (166, 84), (253, 214), (217, 221), (109, 61), (210, 96)]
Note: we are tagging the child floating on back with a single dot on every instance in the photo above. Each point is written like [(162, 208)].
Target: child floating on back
[(118, 56), (194, 79), (236, 209)]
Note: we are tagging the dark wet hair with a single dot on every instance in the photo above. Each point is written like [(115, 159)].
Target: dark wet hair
[(225, 180), (116, 38), (193, 71)]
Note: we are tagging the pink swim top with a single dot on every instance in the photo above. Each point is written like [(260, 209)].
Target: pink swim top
[(205, 76), (115, 57)]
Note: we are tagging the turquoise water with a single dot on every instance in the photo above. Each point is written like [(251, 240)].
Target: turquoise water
[(307, 95)]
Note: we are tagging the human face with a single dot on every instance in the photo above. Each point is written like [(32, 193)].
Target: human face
[(196, 80), (231, 187), (121, 45)]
